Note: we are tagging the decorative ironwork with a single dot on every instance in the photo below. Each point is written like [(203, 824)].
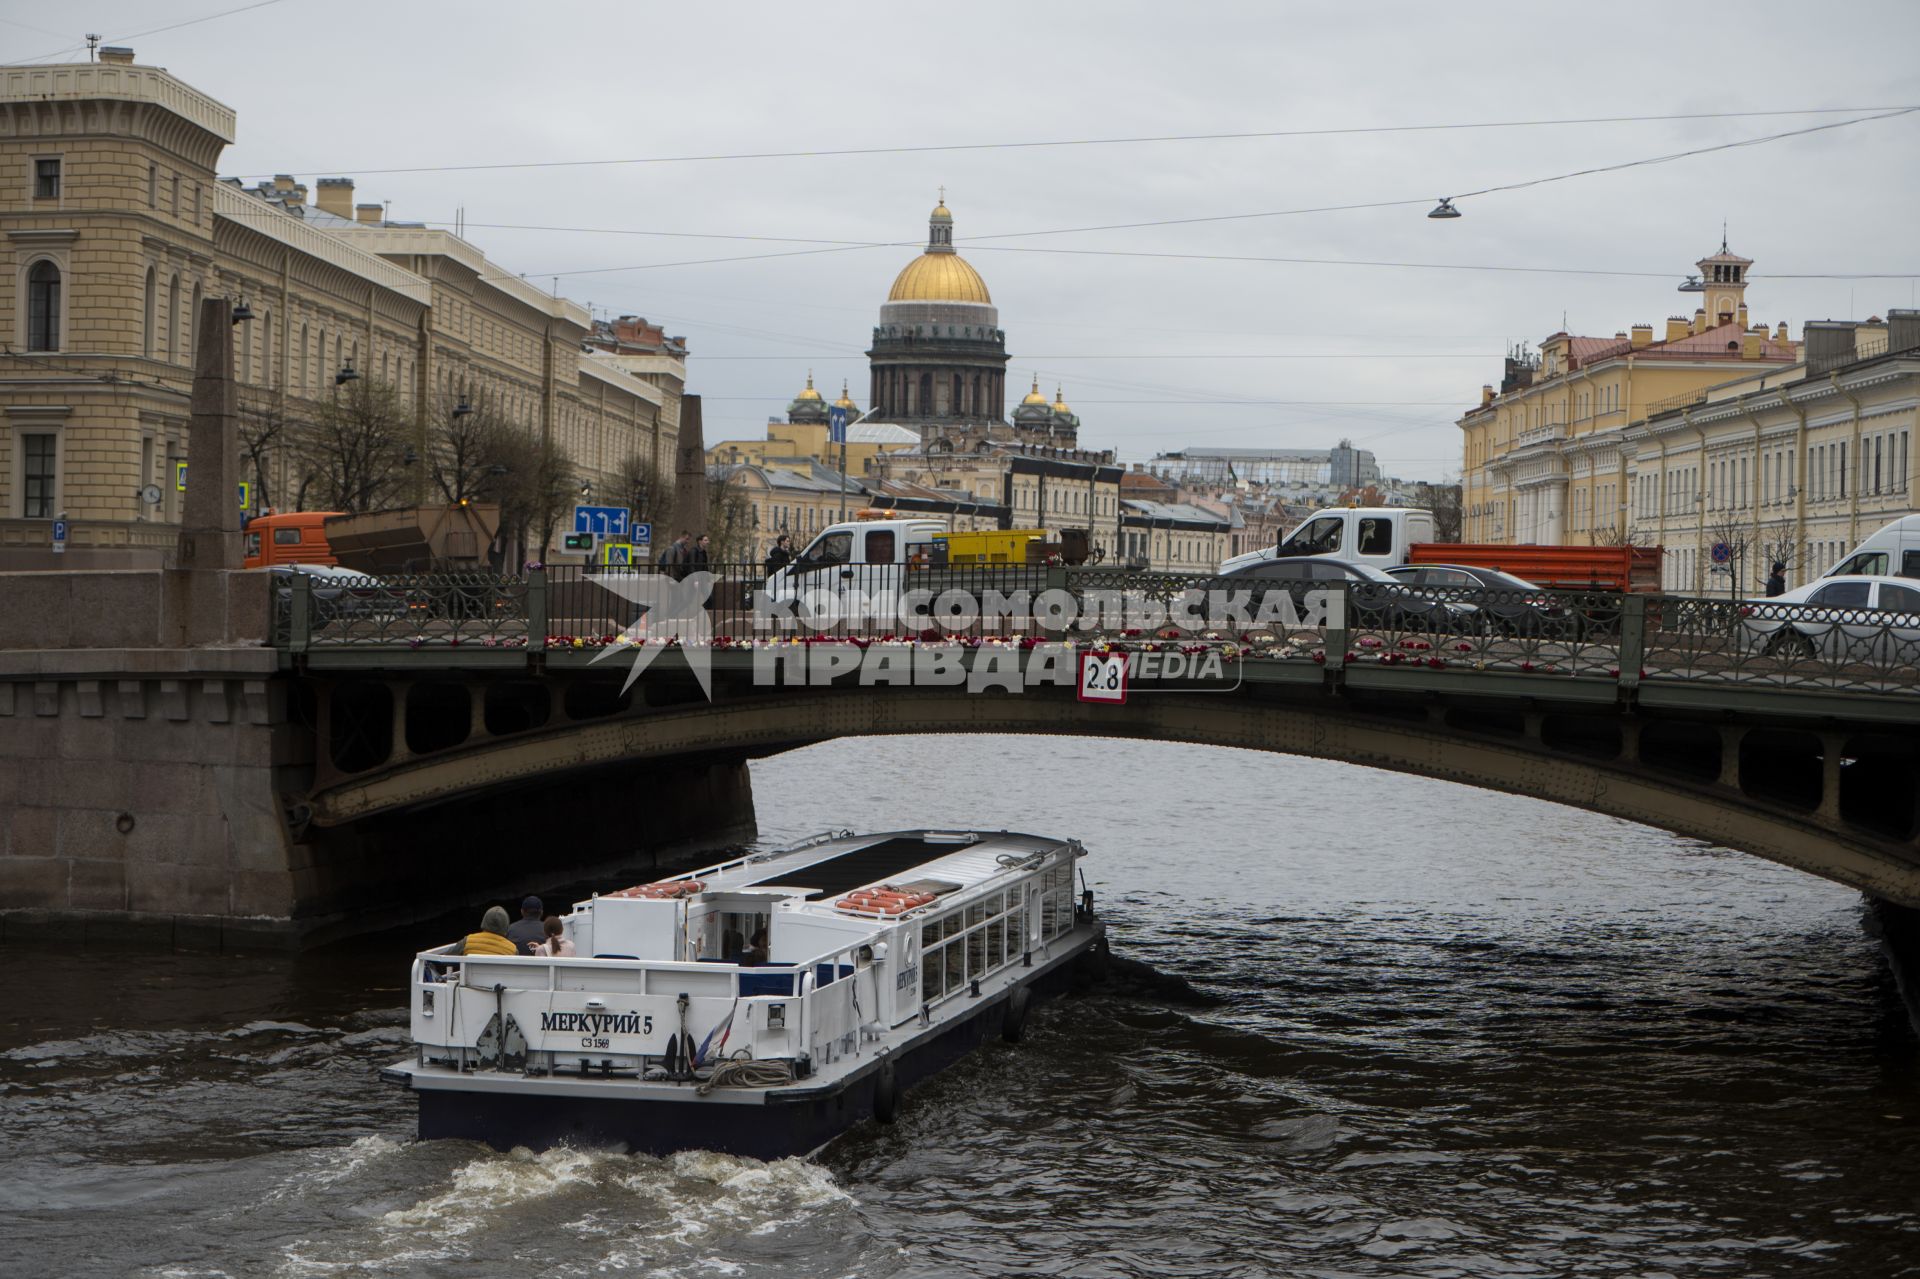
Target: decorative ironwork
[(1628, 639)]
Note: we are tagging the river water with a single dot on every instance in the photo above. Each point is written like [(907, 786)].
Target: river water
[(1458, 1034)]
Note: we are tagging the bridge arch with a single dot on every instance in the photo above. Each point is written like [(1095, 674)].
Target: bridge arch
[(1743, 787)]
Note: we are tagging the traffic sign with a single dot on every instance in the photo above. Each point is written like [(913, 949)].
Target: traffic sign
[(59, 537), (1721, 552), (180, 476), (619, 554), (641, 535), (602, 521), (1103, 679), (578, 542), (245, 491), (837, 425)]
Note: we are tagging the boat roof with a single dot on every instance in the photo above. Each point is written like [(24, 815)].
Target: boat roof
[(832, 865)]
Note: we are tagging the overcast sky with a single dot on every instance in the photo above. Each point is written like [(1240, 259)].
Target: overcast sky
[(1139, 343)]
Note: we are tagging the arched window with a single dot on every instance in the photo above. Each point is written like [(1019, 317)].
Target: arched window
[(43, 306), (193, 322), (300, 360), (146, 314), (244, 335)]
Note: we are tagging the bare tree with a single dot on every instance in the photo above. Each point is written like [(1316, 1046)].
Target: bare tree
[(646, 491), (1444, 501), (353, 454), (1777, 546), (265, 425), (1621, 533), (1732, 536), (729, 522)]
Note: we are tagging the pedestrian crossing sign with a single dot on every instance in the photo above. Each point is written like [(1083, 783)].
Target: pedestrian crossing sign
[(619, 554)]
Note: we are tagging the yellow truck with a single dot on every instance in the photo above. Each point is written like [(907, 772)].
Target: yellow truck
[(1013, 546)]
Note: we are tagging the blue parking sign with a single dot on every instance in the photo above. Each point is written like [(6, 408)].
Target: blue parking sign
[(59, 536), (641, 535)]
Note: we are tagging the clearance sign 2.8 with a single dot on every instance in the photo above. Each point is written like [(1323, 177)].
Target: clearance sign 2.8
[(1103, 678)]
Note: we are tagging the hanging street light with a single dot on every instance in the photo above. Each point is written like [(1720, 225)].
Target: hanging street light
[(1444, 209)]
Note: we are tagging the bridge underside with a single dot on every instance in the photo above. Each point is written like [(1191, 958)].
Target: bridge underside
[(1834, 802)]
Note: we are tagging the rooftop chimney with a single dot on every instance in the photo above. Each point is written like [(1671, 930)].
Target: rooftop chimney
[(1486, 395), (299, 193), (118, 54), (1780, 334), (283, 182), (1700, 319), (335, 196), (1642, 336), (1750, 344), (369, 214), (1676, 328), (1829, 344), (1903, 329)]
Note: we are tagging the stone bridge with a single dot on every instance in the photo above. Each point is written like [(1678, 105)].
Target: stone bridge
[(442, 741)]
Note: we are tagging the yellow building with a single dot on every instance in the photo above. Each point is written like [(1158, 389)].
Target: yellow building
[(1792, 465), (113, 226), (1546, 458), (806, 438)]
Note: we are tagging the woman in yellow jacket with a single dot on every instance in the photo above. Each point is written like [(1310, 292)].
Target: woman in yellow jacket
[(492, 937)]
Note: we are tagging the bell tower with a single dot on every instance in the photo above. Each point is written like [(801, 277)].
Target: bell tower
[(1723, 285)]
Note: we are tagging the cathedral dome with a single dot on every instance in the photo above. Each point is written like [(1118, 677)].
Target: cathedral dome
[(939, 277), (808, 406), (940, 274)]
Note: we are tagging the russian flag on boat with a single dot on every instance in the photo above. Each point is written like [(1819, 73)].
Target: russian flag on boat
[(716, 1040)]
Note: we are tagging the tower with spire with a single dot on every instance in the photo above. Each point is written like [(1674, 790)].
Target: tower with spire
[(1723, 285)]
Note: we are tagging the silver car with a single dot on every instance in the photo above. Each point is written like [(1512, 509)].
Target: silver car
[(1846, 619)]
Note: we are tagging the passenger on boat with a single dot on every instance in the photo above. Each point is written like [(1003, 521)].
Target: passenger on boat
[(557, 945), (492, 937), (756, 951), (527, 931)]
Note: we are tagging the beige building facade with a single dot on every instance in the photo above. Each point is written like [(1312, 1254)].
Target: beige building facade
[(1545, 457), (114, 224)]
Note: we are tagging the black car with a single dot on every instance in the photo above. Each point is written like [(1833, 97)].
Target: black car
[(1505, 604), (1376, 599)]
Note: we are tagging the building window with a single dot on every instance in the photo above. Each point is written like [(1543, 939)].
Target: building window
[(153, 186), (46, 179), (37, 476), (43, 307), (173, 320), (146, 341)]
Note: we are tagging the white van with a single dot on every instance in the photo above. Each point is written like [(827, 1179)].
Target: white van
[(1377, 536), (1894, 551), (868, 555)]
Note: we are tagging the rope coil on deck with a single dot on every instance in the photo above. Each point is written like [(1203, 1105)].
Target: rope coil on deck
[(745, 1072)]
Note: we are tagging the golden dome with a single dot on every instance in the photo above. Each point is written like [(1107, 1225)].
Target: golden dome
[(809, 393), (1034, 396), (939, 277), (1059, 402), (845, 401), (940, 213)]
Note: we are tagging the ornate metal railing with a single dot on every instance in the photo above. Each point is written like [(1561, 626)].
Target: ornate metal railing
[(1626, 639)]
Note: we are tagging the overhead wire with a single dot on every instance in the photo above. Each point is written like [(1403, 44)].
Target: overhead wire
[(150, 31), (816, 153)]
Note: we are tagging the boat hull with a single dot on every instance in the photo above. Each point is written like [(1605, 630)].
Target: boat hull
[(771, 1124)]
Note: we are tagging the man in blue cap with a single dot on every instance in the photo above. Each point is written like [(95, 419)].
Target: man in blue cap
[(528, 930)]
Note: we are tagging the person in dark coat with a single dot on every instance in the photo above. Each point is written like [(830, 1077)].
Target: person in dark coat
[(781, 555), (678, 559), (702, 553), (1777, 580), (530, 928)]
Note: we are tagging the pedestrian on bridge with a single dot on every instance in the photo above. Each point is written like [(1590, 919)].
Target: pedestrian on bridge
[(678, 560), (1777, 580), (781, 555)]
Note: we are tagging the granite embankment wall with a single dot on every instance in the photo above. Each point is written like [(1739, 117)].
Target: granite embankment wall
[(154, 770)]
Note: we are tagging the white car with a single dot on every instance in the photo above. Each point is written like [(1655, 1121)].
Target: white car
[(1855, 618)]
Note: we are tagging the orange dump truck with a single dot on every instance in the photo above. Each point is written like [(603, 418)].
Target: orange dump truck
[(1557, 568)]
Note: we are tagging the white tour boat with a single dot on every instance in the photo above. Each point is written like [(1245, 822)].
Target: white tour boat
[(757, 1007)]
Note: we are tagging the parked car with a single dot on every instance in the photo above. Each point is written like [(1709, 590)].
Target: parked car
[(1501, 602), (1858, 618), (1374, 598), (338, 592)]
